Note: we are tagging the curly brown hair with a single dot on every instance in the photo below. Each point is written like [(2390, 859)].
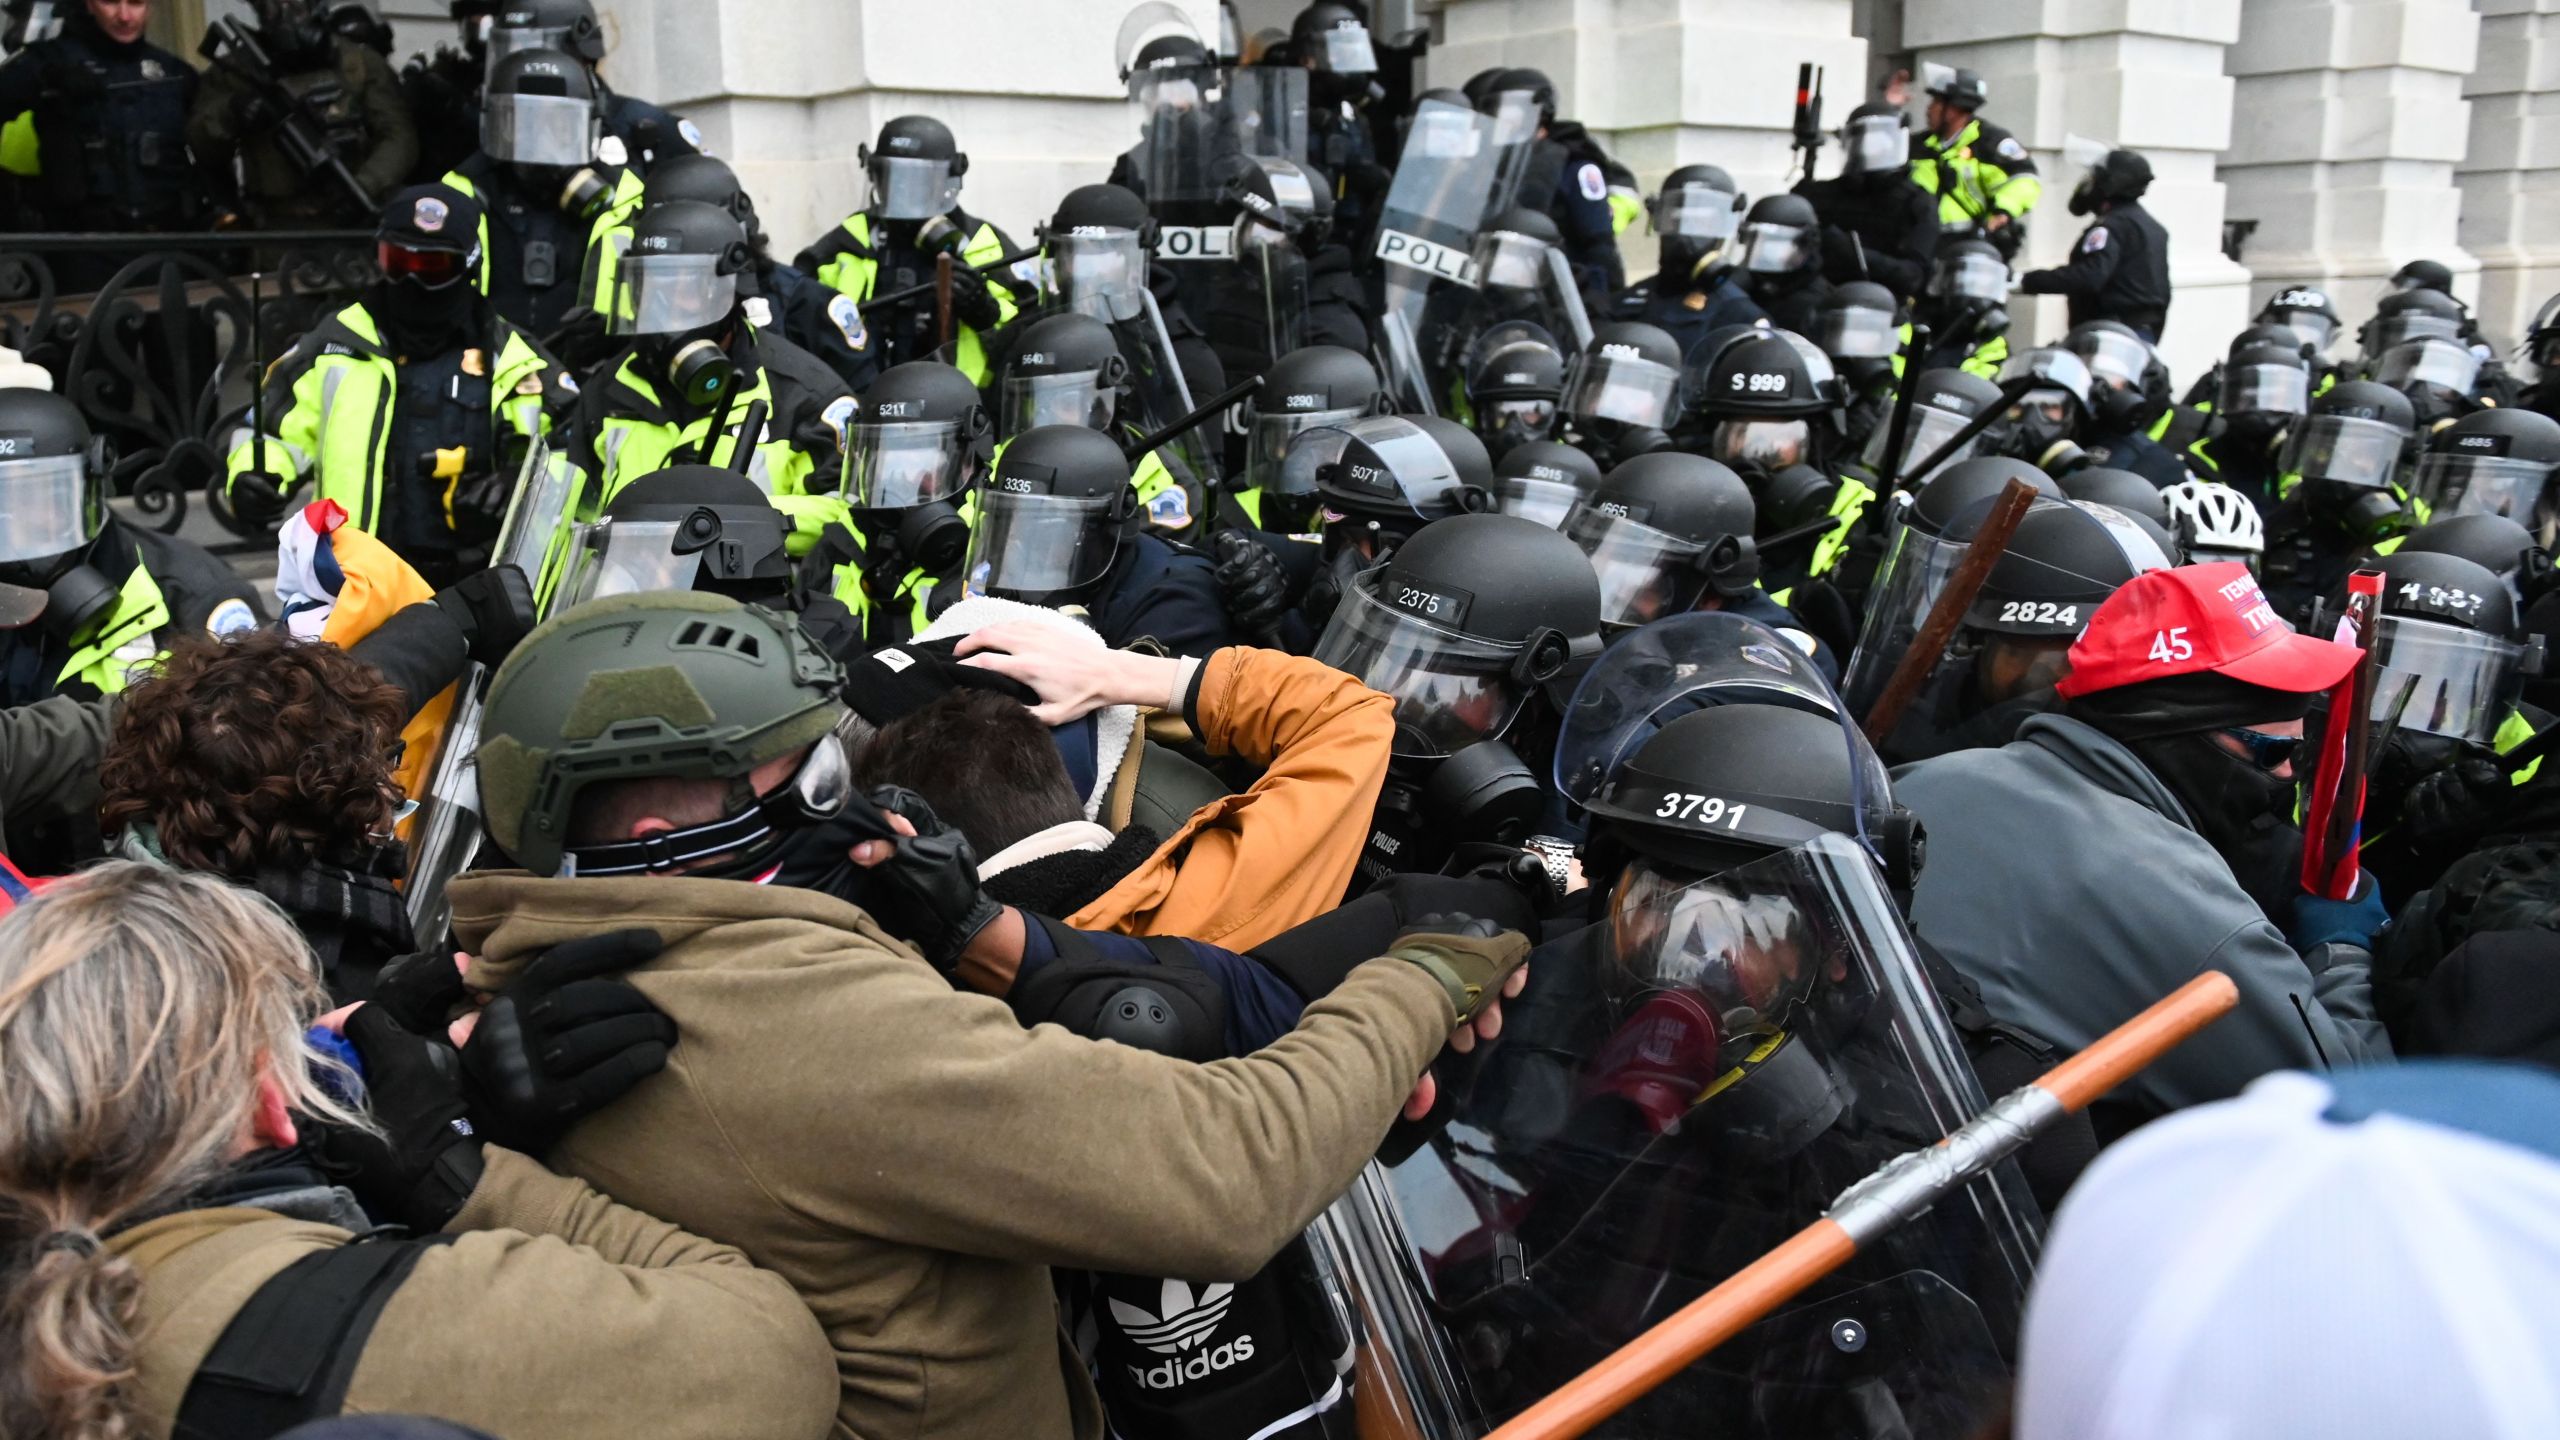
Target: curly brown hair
[(256, 752)]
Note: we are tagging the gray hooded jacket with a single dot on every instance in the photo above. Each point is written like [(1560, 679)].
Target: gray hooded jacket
[(2065, 880)]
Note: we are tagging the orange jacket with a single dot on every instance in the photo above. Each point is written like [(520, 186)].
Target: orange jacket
[(1247, 867)]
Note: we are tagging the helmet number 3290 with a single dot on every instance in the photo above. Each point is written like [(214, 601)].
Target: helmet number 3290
[(1704, 809)]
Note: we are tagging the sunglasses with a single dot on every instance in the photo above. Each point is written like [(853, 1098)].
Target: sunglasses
[(2268, 752), (434, 269)]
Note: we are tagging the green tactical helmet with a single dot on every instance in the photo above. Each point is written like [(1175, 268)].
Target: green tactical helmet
[(677, 685)]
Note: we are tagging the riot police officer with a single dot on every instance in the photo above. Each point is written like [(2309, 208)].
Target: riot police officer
[(1985, 181), (1477, 627), (2341, 479), (1544, 480), (1861, 330), (1318, 387), (1877, 224), (1066, 369), (109, 111), (343, 90), (1381, 480), (1623, 393), (1572, 180), (538, 228), (919, 441), (1767, 402), (411, 408), (2128, 389), (637, 134), (1293, 283), (85, 598), (2313, 317), (2119, 268), (2491, 462), (1942, 403), (1060, 525), (1331, 41), (695, 367), (782, 298), (1693, 290), (1781, 261), (1514, 382), (914, 215), (2263, 388), (2416, 313), (1966, 308)]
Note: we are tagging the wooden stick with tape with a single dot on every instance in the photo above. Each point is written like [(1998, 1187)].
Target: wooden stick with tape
[(1989, 544), (1867, 1211)]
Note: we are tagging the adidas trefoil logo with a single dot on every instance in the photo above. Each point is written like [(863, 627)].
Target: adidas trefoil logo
[(1182, 1327)]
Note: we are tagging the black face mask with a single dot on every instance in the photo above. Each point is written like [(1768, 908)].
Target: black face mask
[(2239, 809), (1680, 256), (819, 858), (419, 321), (2254, 430)]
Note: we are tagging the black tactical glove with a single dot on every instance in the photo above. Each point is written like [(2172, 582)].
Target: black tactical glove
[(2453, 806), (257, 497), (421, 991), (493, 609), (1470, 958), (422, 1168), (480, 501), (1252, 580), (927, 892), (568, 1038), (972, 303)]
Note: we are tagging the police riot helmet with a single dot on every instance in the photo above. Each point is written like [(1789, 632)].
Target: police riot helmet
[(1462, 624), (1333, 38), (568, 26), (2356, 435), (1781, 235), (1968, 269), (2269, 332), (2411, 315), (1388, 468), (1877, 139), (2052, 410), (2450, 651), (2493, 462), (660, 686), (2493, 542), (1963, 89), (1479, 85), (2264, 377), (2122, 175), (1065, 369), (1628, 376), (539, 108), (2215, 523), (1274, 196), (1310, 388), (54, 481), (1522, 80), (1543, 480), (1464, 448), (918, 437), (1515, 380), (1170, 52), (2063, 561), (1699, 205), (2118, 361), (2423, 275), (2308, 311), (1663, 530), (686, 527), (1054, 514), (1096, 245), (2117, 490), (680, 275), (705, 178), (1859, 321), (1969, 483), (1943, 402), (1512, 249), (1762, 390), (1765, 777), (915, 169)]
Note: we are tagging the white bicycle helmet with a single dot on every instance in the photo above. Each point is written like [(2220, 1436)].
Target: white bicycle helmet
[(2215, 522)]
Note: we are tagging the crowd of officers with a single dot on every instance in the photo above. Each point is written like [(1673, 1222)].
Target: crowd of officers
[(1004, 775)]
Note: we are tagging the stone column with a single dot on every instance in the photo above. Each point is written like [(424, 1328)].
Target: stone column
[(2144, 74), (2348, 125), (2510, 175), (1667, 83)]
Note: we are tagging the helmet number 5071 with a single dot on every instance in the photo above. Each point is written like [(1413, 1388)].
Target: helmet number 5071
[(1704, 809)]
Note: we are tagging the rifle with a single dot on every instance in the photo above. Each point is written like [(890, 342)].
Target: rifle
[(1808, 126), (303, 136)]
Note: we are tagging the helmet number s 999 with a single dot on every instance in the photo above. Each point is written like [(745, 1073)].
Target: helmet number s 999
[(1759, 382)]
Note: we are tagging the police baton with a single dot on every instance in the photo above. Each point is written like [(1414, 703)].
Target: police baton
[(1010, 257), (742, 456), (1903, 394), (1904, 1189), (2010, 389), (1216, 405), (1989, 544)]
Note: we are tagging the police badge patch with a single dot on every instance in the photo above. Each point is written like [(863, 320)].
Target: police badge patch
[(848, 321), (231, 617), (2010, 149), (2094, 241), (1170, 509), (430, 215)]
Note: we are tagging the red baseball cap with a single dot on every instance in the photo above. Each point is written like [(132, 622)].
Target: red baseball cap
[(2195, 619)]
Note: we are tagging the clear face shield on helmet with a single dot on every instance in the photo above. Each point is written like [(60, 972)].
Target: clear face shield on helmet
[(1268, 443), (2389, 330), (1769, 445), (554, 130), (2458, 683), (1346, 51), (626, 557), (1544, 495), (1627, 389), (906, 188), (902, 464), (2113, 358), (1720, 1058), (48, 507), (1516, 117), (2345, 450), (1030, 544), (2265, 390), (2459, 483), (1086, 397), (2446, 364), (1699, 211), (671, 294), (2312, 327), (1504, 260), (1098, 271), (1853, 333), (1645, 573), (505, 41), (1655, 675), (1773, 249), (1876, 143), (1451, 690), (1931, 427), (1970, 275), (1396, 468)]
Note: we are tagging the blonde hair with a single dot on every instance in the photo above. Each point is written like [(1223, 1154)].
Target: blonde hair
[(137, 1007)]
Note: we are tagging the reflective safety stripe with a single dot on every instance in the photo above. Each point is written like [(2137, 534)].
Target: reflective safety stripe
[(2512, 732), (19, 153), (1848, 505), (855, 275), (1625, 209), (125, 645)]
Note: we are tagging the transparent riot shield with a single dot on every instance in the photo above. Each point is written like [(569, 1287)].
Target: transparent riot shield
[(535, 538), (1662, 671), (1191, 132), (1160, 396), (1425, 239), (1681, 1088)]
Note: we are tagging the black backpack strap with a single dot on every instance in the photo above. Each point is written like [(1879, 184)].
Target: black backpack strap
[(287, 1356)]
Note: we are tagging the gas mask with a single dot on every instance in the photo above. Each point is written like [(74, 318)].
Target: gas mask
[(695, 363), (1506, 425), (2364, 513)]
